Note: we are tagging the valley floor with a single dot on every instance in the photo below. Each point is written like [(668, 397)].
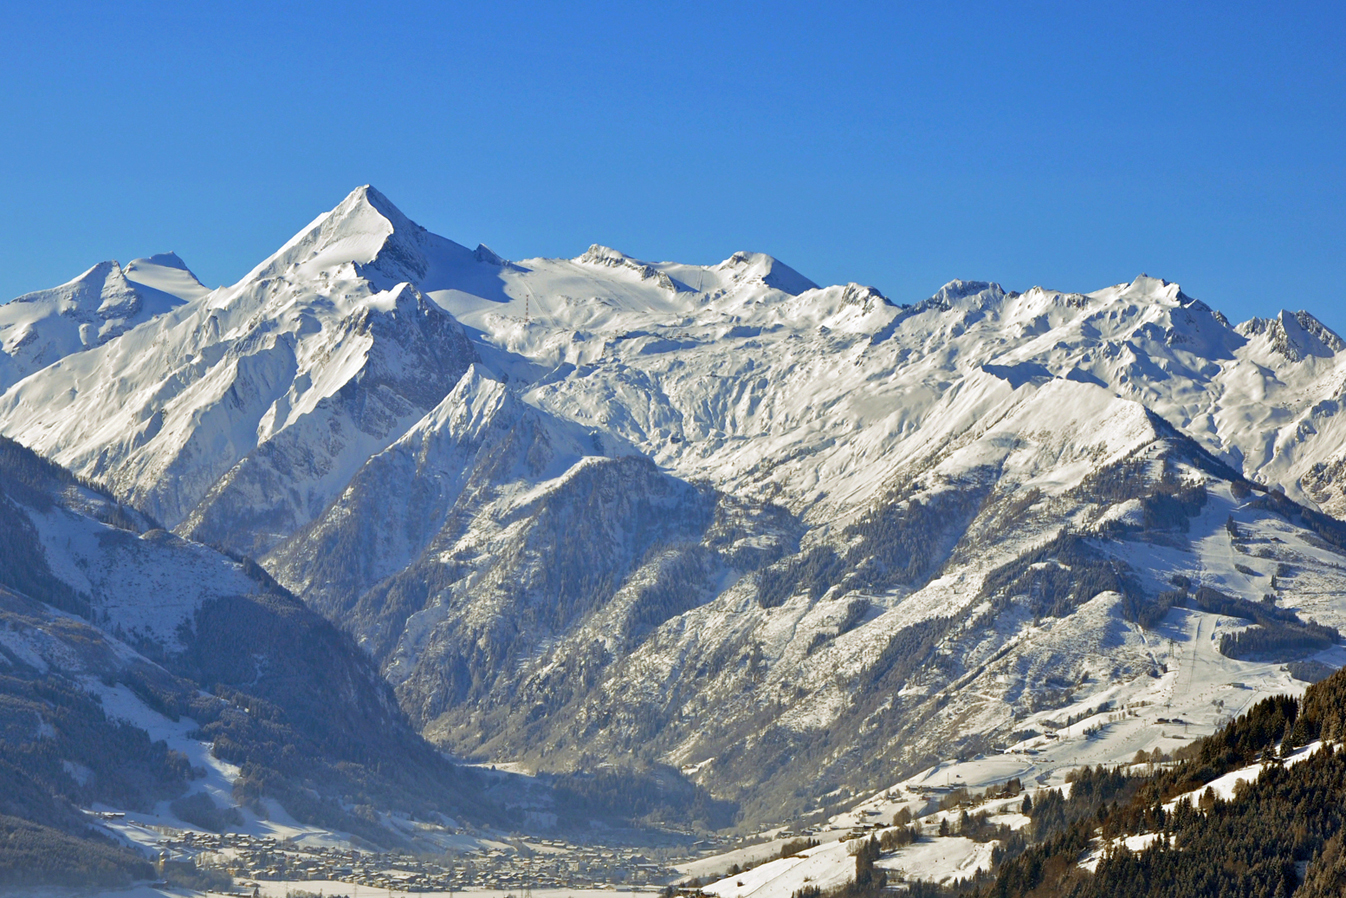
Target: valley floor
[(329, 889)]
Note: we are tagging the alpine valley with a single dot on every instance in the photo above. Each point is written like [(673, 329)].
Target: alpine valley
[(686, 549)]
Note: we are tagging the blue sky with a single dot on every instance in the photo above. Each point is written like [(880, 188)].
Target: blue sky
[(1069, 145)]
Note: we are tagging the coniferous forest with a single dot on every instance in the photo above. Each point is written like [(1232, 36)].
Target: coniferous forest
[(1279, 835)]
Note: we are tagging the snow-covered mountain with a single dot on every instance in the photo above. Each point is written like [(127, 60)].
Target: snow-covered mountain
[(40, 328), (141, 670), (260, 400), (790, 538)]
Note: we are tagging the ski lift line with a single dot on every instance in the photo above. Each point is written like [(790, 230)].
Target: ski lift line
[(527, 303)]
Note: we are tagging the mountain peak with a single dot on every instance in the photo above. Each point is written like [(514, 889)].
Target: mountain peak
[(959, 292), (110, 270), (772, 272), (606, 256), (163, 260), (368, 196), (164, 273), (366, 210), (598, 254), (85, 289), (1156, 288), (1294, 335), (1312, 326), (484, 253), (365, 230)]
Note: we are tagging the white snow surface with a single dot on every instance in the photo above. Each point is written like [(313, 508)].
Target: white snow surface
[(143, 586), (1225, 786), (39, 329)]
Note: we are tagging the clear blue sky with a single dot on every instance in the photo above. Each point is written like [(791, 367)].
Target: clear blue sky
[(1072, 145)]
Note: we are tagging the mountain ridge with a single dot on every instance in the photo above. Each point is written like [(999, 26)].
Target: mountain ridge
[(789, 537)]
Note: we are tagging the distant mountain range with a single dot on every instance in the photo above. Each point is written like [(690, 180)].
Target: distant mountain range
[(793, 541)]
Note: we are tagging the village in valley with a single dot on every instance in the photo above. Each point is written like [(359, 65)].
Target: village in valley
[(516, 866)]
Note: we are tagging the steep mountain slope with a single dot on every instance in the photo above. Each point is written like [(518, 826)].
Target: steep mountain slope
[(257, 402), (60, 750), (1016, 579), (790, 538), (282, 705), (486, 543)]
